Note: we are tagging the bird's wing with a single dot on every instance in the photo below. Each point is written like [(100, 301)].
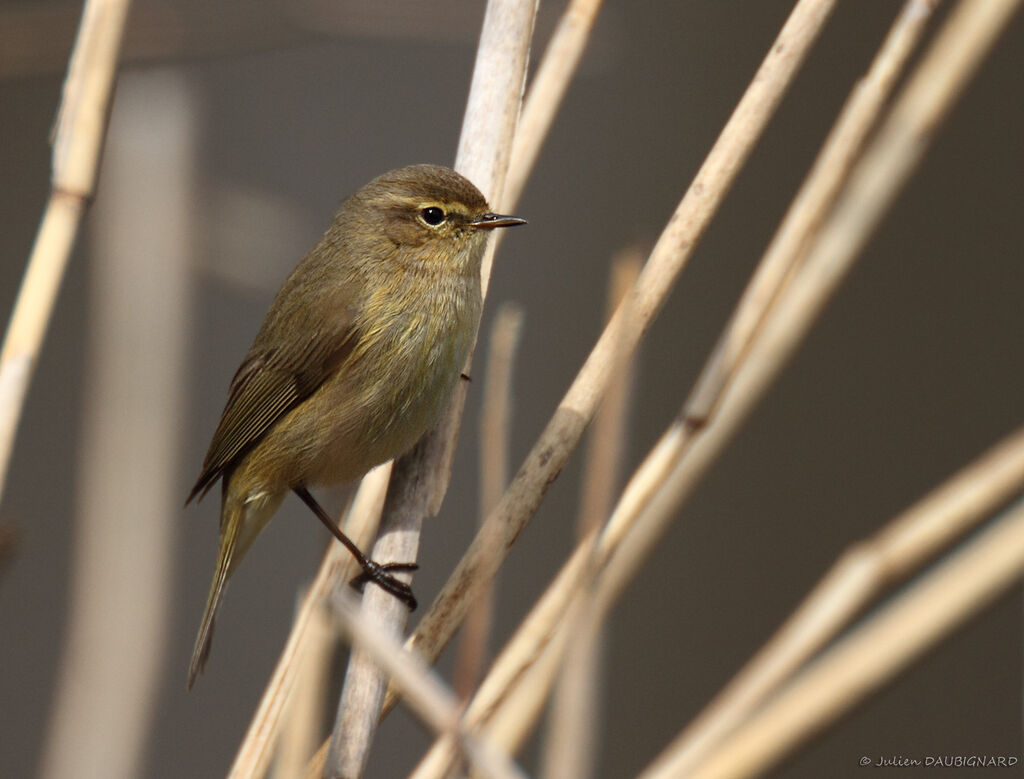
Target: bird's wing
[(268, 384)]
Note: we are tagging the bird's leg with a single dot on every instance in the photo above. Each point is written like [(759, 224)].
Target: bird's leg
[(373, 572)]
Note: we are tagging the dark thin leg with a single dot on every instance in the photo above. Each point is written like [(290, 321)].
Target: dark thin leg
[(375, 573)]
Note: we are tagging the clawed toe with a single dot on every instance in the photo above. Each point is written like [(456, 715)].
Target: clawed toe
[(380, 575)]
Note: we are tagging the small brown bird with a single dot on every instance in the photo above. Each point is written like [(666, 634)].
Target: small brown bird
[(355, 361)]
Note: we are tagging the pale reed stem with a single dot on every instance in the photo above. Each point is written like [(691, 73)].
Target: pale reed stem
[(867, 658), (421, 477), (495, 418), (78, 139), (861, 573)]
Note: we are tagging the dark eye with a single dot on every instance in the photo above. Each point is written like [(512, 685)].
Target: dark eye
[(432, 215)]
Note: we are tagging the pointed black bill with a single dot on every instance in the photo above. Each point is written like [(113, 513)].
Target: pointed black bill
[(490, 221)]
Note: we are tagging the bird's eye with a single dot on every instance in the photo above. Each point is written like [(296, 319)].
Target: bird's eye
[(432, 215)]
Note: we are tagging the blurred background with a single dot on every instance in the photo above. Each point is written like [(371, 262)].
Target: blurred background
[(237, 129)]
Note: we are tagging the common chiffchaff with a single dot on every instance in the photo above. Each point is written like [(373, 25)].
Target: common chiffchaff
[(356, 359)]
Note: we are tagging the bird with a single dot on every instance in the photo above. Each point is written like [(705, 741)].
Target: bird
[(356, 359)]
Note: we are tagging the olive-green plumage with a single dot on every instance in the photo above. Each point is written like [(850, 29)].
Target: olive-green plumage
[(356, 358)]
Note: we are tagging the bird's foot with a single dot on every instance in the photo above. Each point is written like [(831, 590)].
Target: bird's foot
[(380, 574)]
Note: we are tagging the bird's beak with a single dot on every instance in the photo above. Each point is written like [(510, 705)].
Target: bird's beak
[(490, 221)]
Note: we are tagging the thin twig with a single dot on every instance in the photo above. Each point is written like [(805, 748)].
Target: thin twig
[(947, 513), (81, 127), (885, 644), (495, 415), (663, 267), (421, 477)]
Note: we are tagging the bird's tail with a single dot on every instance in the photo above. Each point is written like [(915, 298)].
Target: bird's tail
[(229, 531), (240, 522)]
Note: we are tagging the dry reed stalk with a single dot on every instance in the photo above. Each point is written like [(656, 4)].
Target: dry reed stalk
[(574, 719), (302, 719), (571, 652), (604, 455), (428, 697), (944, 515), (547, 89), (570, 649), (511, 724), (886, 643), (358, 709), (810, 206), (886, 164), (783, 257), (495, 416), (519, 686), (77, 141), (539, 633), (120, 594), (421, 477), (514, 689), (663, 267), (257, 748)]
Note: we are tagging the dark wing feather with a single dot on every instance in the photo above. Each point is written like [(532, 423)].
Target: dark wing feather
[(268, 384)]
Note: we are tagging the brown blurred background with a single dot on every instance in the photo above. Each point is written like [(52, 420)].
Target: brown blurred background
[(276, 110)]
